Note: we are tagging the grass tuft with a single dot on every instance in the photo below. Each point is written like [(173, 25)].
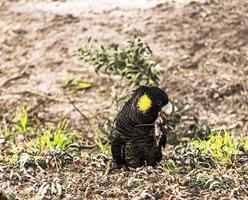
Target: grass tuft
[(58, 139), (171, 166), (22, 123), (222, 146)]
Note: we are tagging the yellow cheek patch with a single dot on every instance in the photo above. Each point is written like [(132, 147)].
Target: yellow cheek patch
[(144, 103)]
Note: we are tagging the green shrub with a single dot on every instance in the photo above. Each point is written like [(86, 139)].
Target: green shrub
[(132, 61)]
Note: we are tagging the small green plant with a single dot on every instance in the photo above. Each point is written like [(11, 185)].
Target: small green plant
[(171, 166), (47, 147), (202, 180), (14, 152), (22, 122), (101, 138), (74, 84), (5, 134), (223, 146), (59, 139), (132, 61)]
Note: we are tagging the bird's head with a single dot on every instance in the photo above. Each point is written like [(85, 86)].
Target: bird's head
[(149, 103), (141, 113)]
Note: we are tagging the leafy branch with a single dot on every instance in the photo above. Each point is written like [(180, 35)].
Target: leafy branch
[(132, 61)]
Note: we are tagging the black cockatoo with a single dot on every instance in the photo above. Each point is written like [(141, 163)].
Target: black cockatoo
[(138, 135)]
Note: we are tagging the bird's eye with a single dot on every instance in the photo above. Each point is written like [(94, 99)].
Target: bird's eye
[(159, 103)]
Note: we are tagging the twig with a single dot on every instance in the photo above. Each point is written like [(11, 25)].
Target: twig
[(233, 126), (79, 111), (42, 95), (84, 146), (87, 189), (15, 76), (108, 169)]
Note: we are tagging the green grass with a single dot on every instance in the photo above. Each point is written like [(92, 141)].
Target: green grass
[(58, 139), (222, 146), (171, 166), (24, 143), (22, 123)]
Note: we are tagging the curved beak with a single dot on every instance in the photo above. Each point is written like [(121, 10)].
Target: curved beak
[(168, 108)]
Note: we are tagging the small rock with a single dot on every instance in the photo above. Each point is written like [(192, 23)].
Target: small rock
[(2, 140), (18, 29)]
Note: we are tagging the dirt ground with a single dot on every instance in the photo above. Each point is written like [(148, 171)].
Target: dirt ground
[(204, 47)]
